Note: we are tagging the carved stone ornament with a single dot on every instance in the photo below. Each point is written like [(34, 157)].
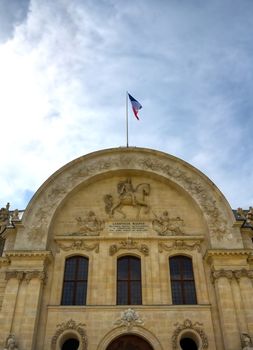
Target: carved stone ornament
[(186, 326), (166, 226), (89, 225), (71, 325), (179, 245), (128, 195), (249, 217), (243, 273), (129, 244), (11, 343), (79, 245), (246, 342), (222, 273), (19, 275), (4, 217), (129, 318), (26, 275)]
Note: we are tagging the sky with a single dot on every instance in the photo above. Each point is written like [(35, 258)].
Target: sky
[(65, 67)]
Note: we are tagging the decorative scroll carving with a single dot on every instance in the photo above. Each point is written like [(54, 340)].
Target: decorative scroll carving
[(246, 342), (243, 273), (89, 225), (166, 226), (41, 275), (188, 325), (222, 273), (179, 245), (71, 325), (26, 275), (19, 275), (129, 244), (129, 318), (11, 343), (79, 245), (128, 196)]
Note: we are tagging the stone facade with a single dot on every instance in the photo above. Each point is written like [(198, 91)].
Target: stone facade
[(126, 202)]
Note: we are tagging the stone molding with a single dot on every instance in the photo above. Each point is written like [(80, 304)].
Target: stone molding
[(79, 245), (180, 245), (129, 318), (129, 244), (26, 275), (69, 326), (187, 325)]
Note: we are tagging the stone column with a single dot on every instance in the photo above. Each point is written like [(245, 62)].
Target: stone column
[(231, 337), (35, 281), (244, 279), (14, 279)]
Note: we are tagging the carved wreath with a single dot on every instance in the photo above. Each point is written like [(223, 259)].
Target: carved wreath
[(70, 325), (188, 325)]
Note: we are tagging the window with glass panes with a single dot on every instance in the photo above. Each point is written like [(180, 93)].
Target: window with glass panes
[(129, 281), (182, 280), (75, 281)]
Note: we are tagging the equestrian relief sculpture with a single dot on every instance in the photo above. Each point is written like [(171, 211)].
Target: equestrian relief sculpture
[(128, 195)]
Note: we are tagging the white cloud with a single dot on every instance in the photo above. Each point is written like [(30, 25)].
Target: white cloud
[(65, 72)]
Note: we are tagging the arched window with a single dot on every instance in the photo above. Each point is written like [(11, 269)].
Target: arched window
[(129, 281), (75, 281), (182, 280)]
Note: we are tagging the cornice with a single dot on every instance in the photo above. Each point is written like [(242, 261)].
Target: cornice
[(227, 252), (4, 261), (45, 255), (192, 238)]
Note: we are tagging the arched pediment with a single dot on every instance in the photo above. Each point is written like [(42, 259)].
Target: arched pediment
[(172, 185)]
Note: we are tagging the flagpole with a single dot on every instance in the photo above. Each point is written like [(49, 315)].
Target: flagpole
[(126, 119)]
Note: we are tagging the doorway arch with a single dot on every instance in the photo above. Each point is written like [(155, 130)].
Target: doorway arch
[(129, 342)]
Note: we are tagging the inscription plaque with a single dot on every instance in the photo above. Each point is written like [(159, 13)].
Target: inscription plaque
[(128, 226)]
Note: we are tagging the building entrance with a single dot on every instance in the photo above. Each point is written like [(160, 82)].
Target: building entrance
[(129, 342)]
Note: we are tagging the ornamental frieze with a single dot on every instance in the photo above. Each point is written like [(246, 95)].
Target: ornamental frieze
[(179, 245), (129, 244), (79, 245)]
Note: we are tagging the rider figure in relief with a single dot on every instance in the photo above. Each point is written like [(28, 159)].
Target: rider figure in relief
[(125, 188)]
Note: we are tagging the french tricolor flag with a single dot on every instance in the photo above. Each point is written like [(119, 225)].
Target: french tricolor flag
[(136, 106)]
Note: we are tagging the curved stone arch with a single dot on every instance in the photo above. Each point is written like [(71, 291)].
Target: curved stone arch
[(210, 200), (138, 331), (67, 330)]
